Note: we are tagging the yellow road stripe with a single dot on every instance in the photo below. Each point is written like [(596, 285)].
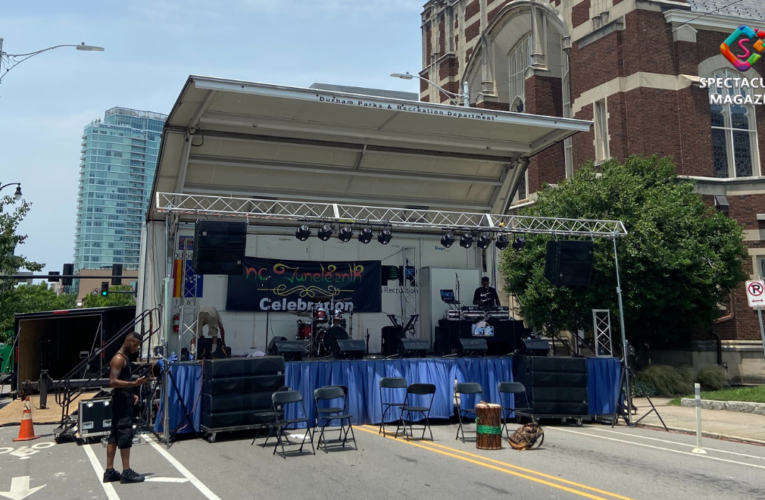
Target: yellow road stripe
[(505, 470), (505, 464)]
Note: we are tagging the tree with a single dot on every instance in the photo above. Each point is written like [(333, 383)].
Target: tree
[(680, 259), (113, 299), (9, 241), (29, 299)]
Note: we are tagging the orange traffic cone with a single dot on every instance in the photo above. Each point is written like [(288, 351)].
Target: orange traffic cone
[(27, 430)]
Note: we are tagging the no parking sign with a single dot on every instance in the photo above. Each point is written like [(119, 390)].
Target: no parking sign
[(755, 293)]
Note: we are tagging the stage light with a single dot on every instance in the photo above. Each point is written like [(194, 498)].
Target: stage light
[(484, 241), (346, 234), (502, 242), (325, 232), (365, 235), (447, 240), (384, 237), (519, 243), (303, 232), (466, 240)]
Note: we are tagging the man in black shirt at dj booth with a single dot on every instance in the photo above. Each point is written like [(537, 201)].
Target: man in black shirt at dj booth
[(485, 296)]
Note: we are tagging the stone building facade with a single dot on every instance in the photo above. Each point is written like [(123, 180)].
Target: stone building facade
[(633, 67)]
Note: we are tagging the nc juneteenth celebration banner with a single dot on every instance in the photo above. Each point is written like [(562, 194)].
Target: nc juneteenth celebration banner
[(289, 286)]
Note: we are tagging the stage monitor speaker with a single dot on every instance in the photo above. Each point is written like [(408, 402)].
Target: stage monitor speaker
[(272, 345), (535, 347), (569, 263), (413, 348), (242, 367), (219, 247), (291, 350), (473, 347), (391, 336), (350, 349)]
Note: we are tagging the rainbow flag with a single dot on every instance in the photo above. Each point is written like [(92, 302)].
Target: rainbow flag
[(186, 283)]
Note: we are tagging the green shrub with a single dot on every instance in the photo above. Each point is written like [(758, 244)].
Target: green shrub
[(642, 389), (712, 378), (668, 381)]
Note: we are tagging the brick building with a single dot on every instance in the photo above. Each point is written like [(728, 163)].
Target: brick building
[(632, 67)]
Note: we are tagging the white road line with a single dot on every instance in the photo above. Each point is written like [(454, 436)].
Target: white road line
[(658, 448), (111, 493), (183, 470), (681, 444)]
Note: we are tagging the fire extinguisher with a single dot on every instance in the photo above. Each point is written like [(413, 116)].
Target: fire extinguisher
[(176, 324)]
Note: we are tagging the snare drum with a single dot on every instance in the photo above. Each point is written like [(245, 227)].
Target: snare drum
[(303, 330)]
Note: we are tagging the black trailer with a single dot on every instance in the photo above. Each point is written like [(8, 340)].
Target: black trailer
[(57, 341)]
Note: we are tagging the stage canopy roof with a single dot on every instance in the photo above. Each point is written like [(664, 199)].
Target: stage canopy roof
[(253, 140)]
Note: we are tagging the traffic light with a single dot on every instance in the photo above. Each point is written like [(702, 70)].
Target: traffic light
[(104, 288), (68, 271), (53, 276), (116, 271)]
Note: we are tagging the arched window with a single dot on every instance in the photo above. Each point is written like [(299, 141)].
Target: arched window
[(734, 133), (519, 62)]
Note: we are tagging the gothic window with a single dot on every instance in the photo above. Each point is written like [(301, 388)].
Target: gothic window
[(734, 133), (519, 62)]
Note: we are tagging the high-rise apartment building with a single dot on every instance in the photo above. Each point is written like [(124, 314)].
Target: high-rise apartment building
[(119, 158)]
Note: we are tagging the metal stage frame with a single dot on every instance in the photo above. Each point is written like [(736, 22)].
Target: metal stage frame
[(280, 213)]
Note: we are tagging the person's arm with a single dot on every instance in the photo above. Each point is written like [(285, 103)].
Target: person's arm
[(117, 364), (495, 297), (222, 332), (477, 297)]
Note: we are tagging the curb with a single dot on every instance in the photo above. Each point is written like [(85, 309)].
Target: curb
[(710, 435), (734, 406)]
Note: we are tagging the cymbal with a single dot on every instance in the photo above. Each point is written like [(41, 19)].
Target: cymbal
[(306, 314)]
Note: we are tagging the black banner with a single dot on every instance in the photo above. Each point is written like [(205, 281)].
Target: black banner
[(290, 286)]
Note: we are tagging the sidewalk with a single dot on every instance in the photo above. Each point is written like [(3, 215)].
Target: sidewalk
[(714, 423)]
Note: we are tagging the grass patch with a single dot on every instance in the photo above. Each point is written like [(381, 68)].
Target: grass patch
[(746, 394)]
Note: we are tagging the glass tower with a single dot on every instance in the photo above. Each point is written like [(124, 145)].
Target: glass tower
[(119, 158)]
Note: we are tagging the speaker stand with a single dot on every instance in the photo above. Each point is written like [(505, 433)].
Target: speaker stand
[(621, 404)]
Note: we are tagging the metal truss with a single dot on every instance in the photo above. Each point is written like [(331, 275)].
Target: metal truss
[(601, 325), (296, 211)]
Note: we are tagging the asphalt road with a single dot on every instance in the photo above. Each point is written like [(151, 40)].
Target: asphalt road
[(575, 462)]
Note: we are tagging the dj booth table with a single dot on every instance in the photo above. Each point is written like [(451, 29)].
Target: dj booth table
[(362, 379), (507, 335)]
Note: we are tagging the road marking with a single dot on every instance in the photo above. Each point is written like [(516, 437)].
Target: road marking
[(505, 464), (166, 480), (24, 453), (488, 466), (183, 470), (43, 446), (681, 444), (660, 448), (20, 488), (111, 494), (3, 451)]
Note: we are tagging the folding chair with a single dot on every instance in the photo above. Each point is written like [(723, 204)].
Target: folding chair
[(279, 400), (391, 383), (327, 415), (466, 389), (417, 390), (515, 388), (265, 414)]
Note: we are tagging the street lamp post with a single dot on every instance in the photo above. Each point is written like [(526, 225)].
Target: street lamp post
[(16, 59), (451, 95), (17, 195)]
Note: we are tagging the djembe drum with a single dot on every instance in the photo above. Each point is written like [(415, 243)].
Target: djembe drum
[(488, 426)]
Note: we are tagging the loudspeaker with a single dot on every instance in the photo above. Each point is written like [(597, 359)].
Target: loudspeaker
[(219, 247), (236, 402), (412, 348), (533, 364), (242, 385), (569, 263), (242, 367), (473, 347), (272, 345), (554, 386), (535, 347), (350, 349), (237, 419), (443, 345), (391, 336)]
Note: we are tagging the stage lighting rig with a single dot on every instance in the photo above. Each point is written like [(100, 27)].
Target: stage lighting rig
[(303, 232), (385, 236), (326, 231), (484, 241), (365, 235), (447, 239), (466, 240), (519, 243), (503, 241), (346, 234)]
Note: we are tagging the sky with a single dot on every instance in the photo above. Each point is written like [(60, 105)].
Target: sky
[(151, 47)]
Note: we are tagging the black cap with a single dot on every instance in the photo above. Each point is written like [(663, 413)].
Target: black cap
[(485, 278)]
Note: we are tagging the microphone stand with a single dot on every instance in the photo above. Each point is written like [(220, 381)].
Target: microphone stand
[(268, 312)]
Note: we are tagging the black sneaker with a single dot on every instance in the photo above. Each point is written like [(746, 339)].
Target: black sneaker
[(130, 476), (111, 476)]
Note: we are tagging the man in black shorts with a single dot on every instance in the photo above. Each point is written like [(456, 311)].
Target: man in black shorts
[(123, 399)]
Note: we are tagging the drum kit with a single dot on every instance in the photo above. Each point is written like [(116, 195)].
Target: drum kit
[(324, 329)]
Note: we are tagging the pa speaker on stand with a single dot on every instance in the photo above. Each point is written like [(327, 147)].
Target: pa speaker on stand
[(569, 263), (219, 247)]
